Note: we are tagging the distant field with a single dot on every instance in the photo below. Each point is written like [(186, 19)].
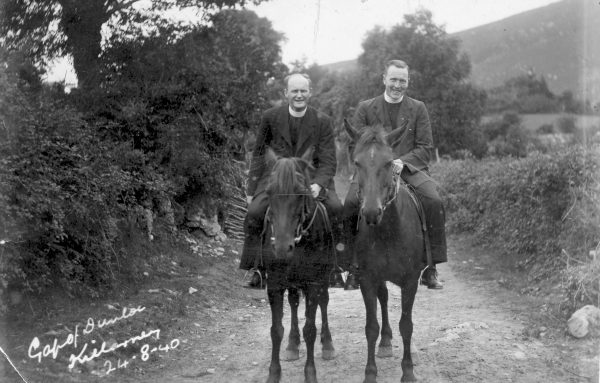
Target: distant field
[(534, 121)]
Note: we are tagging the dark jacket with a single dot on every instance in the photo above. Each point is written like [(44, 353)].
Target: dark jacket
[(415, 145), (316, 132)]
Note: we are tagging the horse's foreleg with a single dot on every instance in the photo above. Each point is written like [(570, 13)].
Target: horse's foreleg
[(326, 341), (276, 303), (406, 328), (385, 344), (369, 293), (312, 296), (292, 351)]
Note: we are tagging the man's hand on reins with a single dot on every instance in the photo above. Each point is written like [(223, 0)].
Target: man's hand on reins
[(315, 189), (398, 166), (248, 199)]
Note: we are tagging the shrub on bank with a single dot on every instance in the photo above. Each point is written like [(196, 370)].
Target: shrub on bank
[(543, 208)]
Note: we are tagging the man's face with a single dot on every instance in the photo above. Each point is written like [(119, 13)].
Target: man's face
[(297, 92), (396, 82)]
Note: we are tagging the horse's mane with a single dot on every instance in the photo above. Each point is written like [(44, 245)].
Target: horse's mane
[(286, 177), (371, 135)]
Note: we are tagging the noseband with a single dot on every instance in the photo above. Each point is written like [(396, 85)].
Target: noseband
[(301, 230), (393, 188)]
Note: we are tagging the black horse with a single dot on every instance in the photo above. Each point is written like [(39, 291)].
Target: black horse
[(389, 243), (298, 255)]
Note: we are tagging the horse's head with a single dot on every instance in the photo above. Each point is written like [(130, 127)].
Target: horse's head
[(372, 157), (288, 190)]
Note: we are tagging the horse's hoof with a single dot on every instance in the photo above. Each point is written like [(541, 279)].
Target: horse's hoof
[(408, 378), (274, 378), (292, 355), (310, 375), (385, 352), (328, 354)]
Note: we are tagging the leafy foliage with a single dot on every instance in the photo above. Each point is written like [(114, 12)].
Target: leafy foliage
[(529, 93), (508, 137), (168, 122), (47, 29), (438, 73), (536, 209)]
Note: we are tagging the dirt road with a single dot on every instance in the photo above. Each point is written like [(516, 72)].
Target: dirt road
[(474, 330), (468, 332)]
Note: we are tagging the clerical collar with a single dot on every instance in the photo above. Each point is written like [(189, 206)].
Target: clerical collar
[(389, 99), (293, 113)]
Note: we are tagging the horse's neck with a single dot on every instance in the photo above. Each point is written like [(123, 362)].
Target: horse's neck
[(402, 204)]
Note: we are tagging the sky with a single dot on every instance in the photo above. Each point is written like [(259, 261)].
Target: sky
[(327, 31)]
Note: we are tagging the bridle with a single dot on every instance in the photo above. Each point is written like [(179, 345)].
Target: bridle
[(301, 230), (393, 190)]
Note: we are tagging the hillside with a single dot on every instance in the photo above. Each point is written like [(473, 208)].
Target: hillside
[(560, 41)]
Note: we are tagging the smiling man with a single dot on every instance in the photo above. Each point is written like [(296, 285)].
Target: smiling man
[(290, 130), (412, 151)]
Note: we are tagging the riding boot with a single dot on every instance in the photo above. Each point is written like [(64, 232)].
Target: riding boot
[(335, 279), (429, 279), (351, 261), (352, 281)]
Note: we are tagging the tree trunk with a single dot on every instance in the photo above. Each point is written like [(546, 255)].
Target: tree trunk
[(82, 22)]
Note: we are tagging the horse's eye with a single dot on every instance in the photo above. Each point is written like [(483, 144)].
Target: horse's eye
[(357, 164)]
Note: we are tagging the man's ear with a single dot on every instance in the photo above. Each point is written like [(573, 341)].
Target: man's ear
[(306, 159)]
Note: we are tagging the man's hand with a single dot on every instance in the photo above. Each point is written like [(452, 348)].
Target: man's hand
[(398, 165), (315, 189), (248, 199)]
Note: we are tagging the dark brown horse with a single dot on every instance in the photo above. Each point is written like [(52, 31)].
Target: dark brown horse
[(298, 256), (389, 243)]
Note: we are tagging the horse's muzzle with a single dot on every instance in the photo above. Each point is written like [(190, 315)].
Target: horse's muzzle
[(283, 249), (372, 216)]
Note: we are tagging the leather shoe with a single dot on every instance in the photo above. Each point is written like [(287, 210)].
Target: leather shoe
[(429, 279), (336, 280), (351, 282), (256, 281)]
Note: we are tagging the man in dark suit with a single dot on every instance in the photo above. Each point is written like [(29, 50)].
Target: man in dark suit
[(290, 130), (395, 110)]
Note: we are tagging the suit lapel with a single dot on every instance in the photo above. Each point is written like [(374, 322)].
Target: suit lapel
[(306, 131), (378, 111), (284, 124), (404, 113)]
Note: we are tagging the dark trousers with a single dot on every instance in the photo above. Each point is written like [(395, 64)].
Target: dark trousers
[(434, 214), (253, 224)]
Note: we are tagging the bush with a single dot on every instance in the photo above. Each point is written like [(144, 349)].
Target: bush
[(567, 125), (535, 209), (63, 194), (545, 129)]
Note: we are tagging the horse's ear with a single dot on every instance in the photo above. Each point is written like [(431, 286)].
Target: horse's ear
[(270, 157), (393, 136), (306, 159), (353, 133)]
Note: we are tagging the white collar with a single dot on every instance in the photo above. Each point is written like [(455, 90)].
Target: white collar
[(388, 99), (293, 113)]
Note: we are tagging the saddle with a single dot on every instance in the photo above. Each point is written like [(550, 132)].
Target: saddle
[(399, 182)]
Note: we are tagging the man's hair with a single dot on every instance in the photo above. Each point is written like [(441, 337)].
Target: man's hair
[(396, 63), (287, 79)]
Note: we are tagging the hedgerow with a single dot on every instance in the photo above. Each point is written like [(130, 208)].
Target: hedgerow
[(167, 124), (542, 209)]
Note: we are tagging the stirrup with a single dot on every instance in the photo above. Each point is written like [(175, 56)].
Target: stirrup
[(248, 282)]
